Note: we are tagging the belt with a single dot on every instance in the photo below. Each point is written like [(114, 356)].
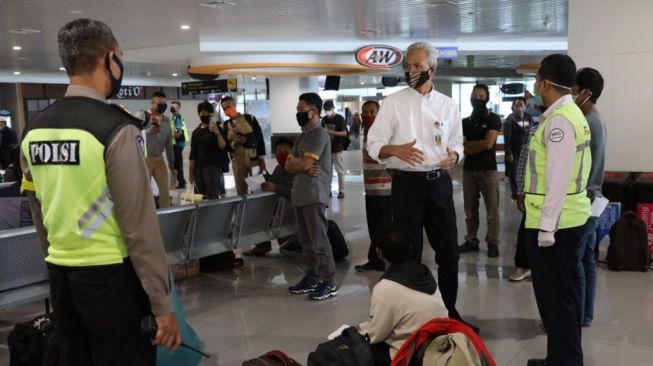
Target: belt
[(430, 175)]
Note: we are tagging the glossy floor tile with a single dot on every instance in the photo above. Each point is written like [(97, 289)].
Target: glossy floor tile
[(244, 313)]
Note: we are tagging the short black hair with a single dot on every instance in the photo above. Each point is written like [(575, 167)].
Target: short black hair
[(589, 78), (560, 69), (328, 104), (378, 106), (176, 102), (312, 99), (283, 140), (205, 106), (158, 94), (82, 43), (484, 87), (228, 99), (519, 98), (395, 244)]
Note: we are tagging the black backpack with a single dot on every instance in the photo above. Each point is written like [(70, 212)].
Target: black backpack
[(33, 343), (628, 250), (348, 349), (272, 358), (337, 240)]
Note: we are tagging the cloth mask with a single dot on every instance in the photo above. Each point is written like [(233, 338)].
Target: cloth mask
[(205, 119), (302, 118), (282, 157), (417, 79), (116, 83)]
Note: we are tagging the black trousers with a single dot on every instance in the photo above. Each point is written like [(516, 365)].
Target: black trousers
[(378, 210), (420, 204), (557, 288), (207, 179), (98, 311), (381, 353), (521, 254), (179, 166)]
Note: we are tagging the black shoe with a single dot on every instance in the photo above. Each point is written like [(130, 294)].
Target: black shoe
[(468, 247), (492, 251), (537, 362), (369, 266)]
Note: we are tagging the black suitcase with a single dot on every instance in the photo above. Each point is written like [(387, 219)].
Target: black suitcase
[(337, 240)]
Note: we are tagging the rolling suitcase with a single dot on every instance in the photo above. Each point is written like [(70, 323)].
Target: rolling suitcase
[(337, 240)]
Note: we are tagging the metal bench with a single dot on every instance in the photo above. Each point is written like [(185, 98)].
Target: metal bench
[(257, 213), (216, 222), (176, 225)]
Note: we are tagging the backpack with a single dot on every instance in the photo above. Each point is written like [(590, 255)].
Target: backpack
[(348, 349), (337, 240), (251, 142), (451, 350), (272, 358), (33, 343), (628, 250)]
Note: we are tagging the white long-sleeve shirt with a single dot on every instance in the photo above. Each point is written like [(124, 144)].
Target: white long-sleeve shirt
[(560, 140), (408, 115)]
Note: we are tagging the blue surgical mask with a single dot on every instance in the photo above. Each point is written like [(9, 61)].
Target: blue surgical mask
[(537, 98)]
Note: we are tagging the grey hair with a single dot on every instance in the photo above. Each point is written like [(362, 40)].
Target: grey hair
[(82, 43), (428, 48)]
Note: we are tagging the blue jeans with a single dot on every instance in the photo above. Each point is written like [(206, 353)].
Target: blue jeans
[(587, 268)]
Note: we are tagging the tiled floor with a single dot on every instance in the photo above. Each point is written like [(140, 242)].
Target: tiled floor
[(244, 313)]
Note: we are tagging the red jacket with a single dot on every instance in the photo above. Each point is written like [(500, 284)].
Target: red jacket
[(434, 328)]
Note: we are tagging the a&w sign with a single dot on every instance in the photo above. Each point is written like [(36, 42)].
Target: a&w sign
[(379, 56)]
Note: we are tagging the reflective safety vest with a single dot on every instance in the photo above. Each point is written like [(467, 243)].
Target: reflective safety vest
[(173, 128), (576, 208), (65, 150)]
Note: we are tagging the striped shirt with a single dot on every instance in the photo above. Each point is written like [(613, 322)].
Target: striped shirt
[(378, 181)]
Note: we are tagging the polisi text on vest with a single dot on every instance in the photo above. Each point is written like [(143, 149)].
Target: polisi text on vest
[(54, 152)]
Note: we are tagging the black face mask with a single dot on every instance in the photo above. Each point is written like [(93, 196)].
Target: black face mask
[(479, 104), (161, 108), (302, 118), (173, 110), (116, 83), (205, 119), (417, 79)]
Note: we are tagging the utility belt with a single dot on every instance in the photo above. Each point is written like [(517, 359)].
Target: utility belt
[(430, 175)]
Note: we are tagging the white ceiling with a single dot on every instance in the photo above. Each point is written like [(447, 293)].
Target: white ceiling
[(504, 33)]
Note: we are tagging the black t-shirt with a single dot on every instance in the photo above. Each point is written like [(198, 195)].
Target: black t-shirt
[(204, 148), (336, 123), (475, 130)]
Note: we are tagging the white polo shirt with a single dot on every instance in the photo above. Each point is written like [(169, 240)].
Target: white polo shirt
[(432, 119)]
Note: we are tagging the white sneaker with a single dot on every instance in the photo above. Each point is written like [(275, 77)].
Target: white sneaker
[(520, 274)]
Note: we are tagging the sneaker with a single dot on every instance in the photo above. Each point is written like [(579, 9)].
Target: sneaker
[(306, 285), (341, 195), (468, 247), (369, 266), (520, 274), (492, 251), (323, 291)]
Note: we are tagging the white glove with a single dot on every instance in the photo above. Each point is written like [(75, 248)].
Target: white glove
[(545, 239)]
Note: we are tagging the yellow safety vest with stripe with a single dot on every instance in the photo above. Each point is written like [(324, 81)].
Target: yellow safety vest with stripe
[(65, 150), (173, 128), (576, 208)]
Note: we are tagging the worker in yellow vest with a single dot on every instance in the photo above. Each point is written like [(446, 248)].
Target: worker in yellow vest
[(557, 209), (90, 196)]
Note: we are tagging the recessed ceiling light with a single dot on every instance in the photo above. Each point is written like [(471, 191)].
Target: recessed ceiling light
[(16, 72), (175, 74), (185, 27), (253, 77), (438, 3), (24, 31), (215, 4), (62, 69), (17, 48), (76, 12), (362, 83)]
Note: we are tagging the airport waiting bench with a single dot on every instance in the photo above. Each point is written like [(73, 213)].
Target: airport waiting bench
[(189, 232)]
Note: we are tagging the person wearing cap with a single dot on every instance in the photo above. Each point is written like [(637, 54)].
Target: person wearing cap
[(418, 134), (557, 209)]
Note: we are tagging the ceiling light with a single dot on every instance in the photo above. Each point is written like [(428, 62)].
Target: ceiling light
[(76, 12), (62, 69), (362, 83), (438, 3), (16, 72), (253, 77), (215, 4), (24, 31), (185, 27), (175, 74), (17, 48)]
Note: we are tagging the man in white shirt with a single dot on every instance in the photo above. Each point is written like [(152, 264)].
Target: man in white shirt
[(418, 135), (557, 209)]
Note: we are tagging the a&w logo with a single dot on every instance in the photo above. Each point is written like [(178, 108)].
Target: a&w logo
[(54, 152), (379, 56)]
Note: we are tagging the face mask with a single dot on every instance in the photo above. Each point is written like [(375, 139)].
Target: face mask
[(537, 98), (282, 157), (116, 83), (417, 79), (479, 104), (205, 119), (173, 110), (368, 121), (160, 108), (575, 97), (231, 112), (302, 118)]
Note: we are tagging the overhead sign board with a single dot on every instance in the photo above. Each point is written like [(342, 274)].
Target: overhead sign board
[(379, 56), (445, 53), (130, 92), (209, 86)]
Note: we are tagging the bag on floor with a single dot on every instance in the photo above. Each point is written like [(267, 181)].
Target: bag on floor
[(217, 262), (337, 240), (272, 358), (348, 349), (451, 350), (33, 343), (628, 250), (182, 356)]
